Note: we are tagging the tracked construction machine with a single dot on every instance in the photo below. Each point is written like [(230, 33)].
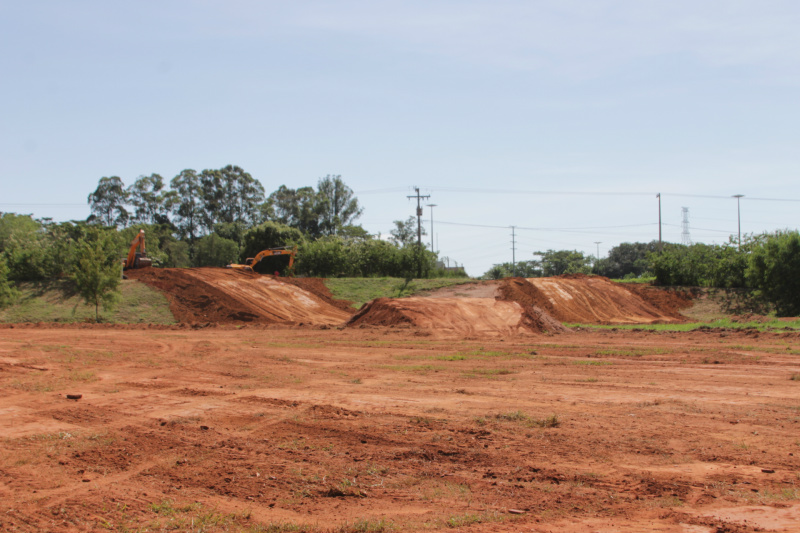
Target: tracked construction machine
[(137, 258), (251, 262)]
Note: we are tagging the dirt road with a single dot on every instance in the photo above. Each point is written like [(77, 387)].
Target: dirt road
[(303, 429)]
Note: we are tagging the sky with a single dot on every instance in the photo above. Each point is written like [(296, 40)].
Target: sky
[(561, 118)]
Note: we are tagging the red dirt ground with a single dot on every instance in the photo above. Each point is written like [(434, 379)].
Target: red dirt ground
[(219, 295), (275, 428), (598, 300)]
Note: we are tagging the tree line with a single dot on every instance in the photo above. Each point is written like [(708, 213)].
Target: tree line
[(206, 218), (768, 264), (200, 203)]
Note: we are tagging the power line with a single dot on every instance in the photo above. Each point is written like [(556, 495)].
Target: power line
[(519, 191), (600, 193), (548, 229), (382, 191), (44, 205)]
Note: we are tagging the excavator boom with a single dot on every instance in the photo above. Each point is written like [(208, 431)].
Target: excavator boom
[(137, 259)]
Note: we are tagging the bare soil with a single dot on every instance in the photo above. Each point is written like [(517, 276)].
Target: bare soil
[(224, 296), (465, 316), (262, 412), (277, 428), (598, 300)]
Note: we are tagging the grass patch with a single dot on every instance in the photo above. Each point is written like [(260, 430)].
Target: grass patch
[(592, 363), (489, 372), (642, 280), (666, 502), (480, 353), (56, 301), (529, 421), (631, 352), (377, 525), (413, 368), (362, 290), (774, 324), (795, 377)]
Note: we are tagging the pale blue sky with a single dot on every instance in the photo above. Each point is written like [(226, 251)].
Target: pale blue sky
[(679, 97)]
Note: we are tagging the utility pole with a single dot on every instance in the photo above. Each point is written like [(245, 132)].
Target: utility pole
[(514, 251), (660, 245), (419, 230), (739, 217), (433, 249), (598, 243)]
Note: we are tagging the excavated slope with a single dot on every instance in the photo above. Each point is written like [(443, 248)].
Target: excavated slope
[(467, 316), (219, 295), (598, 300)]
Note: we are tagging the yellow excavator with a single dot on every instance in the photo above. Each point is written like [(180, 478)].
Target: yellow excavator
[(137, 259), (251, 262)]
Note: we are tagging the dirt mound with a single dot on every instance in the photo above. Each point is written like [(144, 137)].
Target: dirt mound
[(598, 300), (667, 300), (218, 295), (520, 291), (317, 287), (469, 316)]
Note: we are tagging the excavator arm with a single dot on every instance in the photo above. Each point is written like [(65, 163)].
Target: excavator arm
[(137, 259)]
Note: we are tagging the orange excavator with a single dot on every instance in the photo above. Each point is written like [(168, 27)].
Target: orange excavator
[(251, 262), (137, 259)]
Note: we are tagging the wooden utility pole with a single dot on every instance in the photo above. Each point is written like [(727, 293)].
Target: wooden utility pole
[(419, 198)]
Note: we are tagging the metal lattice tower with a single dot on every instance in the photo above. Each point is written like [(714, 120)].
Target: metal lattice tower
[(685, 237)]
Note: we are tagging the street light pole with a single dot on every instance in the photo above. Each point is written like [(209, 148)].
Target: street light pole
[(739, 218)]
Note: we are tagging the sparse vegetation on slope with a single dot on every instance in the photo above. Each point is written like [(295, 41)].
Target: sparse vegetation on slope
[(362, 290), (57, 301)]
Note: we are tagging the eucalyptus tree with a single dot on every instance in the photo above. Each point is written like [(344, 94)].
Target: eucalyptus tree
[(187, 206), (151, 202), (338, 206), (108, 201)]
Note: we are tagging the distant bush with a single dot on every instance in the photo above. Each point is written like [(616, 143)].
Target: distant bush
[(774, 270), (213, 250), (8, 294), (340, 257), (700, 265)]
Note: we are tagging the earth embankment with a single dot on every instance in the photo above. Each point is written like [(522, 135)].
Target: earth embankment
[(219, 295), (468, 316), (598, 300)]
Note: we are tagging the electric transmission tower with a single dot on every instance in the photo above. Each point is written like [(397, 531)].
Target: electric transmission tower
[(685, 237)]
